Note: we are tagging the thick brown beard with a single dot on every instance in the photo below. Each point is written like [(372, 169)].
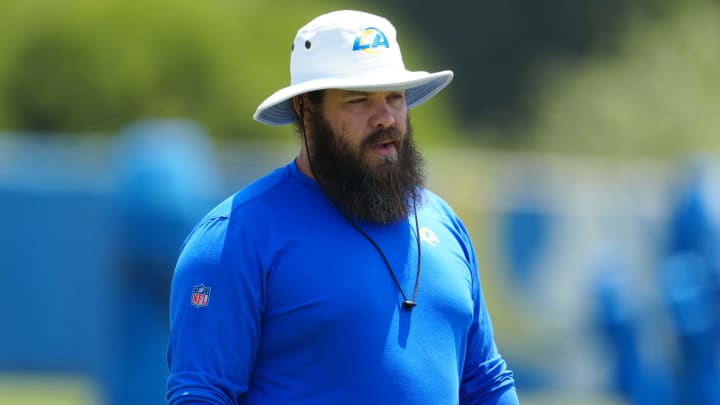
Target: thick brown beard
[(381, 194)]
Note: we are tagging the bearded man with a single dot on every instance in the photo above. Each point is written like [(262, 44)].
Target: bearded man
[(337, 278)]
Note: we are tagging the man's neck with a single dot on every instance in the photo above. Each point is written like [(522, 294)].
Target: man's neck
[(303, 164)]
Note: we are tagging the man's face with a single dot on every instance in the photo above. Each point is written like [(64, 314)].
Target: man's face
[(363, 154), (354, 116)]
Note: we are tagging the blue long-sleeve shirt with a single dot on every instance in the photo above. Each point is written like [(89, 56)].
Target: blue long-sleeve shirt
[(276, 298)]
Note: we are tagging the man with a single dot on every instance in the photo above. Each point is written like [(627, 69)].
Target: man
[(337, 278)]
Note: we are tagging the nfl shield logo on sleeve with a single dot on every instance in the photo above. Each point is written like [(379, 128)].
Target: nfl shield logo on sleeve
[(200, 296)]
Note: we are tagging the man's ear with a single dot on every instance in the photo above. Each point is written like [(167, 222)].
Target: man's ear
[(297, 102)]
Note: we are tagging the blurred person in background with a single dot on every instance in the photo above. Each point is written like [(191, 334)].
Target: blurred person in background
[(337, 278), (167, 176), (690, 277)]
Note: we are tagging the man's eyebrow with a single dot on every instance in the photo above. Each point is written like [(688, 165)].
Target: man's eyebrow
[(352, 93), (348, 93)]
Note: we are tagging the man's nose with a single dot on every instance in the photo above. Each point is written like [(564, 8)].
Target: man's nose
[(382, 115)]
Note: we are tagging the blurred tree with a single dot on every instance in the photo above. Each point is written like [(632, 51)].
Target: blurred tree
[(494, 46), (95, 66), (521, 66), (655, 94)]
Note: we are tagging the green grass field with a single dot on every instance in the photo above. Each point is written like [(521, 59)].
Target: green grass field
[(34, 389)]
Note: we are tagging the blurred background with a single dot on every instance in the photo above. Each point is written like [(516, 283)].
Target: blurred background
[(578, 142)]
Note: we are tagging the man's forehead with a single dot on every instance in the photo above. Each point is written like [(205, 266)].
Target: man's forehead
[(344, 92)]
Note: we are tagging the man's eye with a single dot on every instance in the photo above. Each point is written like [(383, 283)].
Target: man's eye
[(357, 100)]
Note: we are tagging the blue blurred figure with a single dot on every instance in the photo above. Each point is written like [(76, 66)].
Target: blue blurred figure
[(526, 228), (630, 335), (689, 274), (168, 178), (617, 318)]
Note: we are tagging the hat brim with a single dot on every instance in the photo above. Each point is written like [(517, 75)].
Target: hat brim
[(419, 87)]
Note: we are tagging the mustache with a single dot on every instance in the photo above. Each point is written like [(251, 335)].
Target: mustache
[(383, 135)]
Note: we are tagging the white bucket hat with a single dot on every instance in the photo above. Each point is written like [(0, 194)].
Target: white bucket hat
[(349, 50)]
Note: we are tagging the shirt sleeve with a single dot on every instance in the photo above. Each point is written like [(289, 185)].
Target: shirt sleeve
[(486, 379), (215, 312)]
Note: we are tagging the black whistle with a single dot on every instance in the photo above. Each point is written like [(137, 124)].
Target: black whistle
[(409, 305)]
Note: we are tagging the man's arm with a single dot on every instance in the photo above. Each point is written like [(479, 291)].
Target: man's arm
[(215, 312), (486, 379)]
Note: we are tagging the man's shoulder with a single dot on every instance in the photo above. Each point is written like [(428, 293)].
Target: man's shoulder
[(273, 185), (276, 195), (434, 202), (439, 209), (264, 193)]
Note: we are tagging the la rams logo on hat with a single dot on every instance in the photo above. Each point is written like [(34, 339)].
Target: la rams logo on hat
[(370, 40)]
